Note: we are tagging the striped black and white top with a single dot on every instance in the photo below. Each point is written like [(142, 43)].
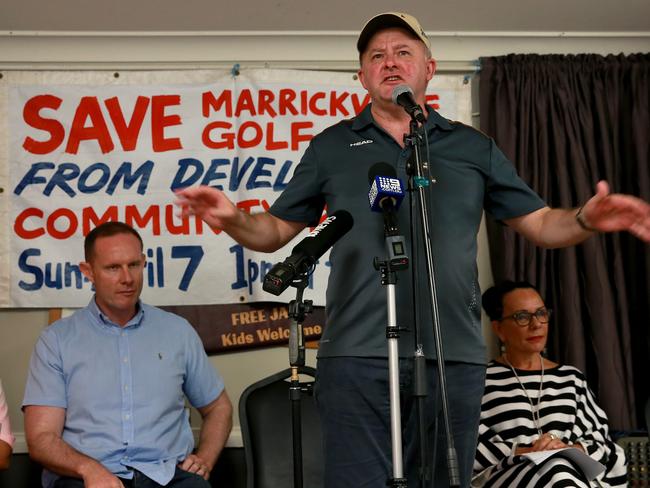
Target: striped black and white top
[(568, 410)]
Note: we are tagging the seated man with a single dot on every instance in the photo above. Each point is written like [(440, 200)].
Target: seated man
[(105, 397), (6, 437), (533, 404)]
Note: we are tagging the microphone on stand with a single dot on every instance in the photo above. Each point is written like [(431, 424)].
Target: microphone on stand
[(305, 254), (385, 195), (403, 96)]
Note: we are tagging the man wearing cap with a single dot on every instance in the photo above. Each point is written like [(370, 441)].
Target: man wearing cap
[(472, 175)]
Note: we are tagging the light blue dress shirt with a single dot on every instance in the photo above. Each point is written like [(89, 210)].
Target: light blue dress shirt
[(124, 388)]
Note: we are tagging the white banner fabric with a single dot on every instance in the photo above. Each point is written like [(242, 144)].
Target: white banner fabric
[(78, 148)]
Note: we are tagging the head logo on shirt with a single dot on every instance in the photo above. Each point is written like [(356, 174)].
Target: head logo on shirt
[(361, 143)]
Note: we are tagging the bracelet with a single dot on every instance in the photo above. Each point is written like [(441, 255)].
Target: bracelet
[(582, 223)]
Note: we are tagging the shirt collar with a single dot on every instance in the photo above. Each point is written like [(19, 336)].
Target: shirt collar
[(105, 322), (434, 119)]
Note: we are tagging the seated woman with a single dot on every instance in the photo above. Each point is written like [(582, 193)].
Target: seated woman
[(6, 437), (533, 404)]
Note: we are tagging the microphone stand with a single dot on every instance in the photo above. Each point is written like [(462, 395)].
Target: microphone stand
[(297, 312), (418, 173), (396, 260)]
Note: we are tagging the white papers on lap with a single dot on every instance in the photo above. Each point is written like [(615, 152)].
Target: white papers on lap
[(589, 466)]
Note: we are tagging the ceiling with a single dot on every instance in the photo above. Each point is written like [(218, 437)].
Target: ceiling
[(330, 15)]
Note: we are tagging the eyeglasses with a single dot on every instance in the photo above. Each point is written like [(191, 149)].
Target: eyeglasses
[(524, 318)]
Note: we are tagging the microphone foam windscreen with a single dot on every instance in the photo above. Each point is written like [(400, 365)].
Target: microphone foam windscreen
[(399, 90), (381, 169)]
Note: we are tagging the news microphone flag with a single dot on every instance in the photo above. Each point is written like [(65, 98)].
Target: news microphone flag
[(385, 187)]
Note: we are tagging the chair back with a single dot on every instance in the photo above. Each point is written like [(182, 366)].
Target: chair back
[(265, 415)]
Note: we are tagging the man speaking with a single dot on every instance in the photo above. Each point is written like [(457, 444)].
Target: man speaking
[(471, 174)]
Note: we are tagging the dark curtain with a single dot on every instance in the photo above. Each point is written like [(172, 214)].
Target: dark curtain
[(567, 122)]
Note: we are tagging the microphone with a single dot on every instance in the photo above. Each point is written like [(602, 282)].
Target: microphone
[(305, 254), (386, 191), (403, 96)]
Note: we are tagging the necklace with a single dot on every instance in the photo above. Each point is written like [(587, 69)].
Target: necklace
[(535, 411)]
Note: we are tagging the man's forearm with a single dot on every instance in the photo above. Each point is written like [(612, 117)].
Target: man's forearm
[(217, 424), (551, 227), (58, 456), (262, 231), (259, 232), (604, 212), (560, 228)]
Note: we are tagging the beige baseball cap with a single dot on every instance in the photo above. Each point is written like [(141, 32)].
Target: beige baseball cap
[(391, 19)]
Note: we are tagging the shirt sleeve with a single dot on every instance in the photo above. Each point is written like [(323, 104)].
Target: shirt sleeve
[(46, 383), (491, 448), (507, 195), (301, 200), (203, 384), (5, 424), (592, 432)]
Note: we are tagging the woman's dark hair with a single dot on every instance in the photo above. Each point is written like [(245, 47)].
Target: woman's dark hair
[(107, 229), (492, 299)]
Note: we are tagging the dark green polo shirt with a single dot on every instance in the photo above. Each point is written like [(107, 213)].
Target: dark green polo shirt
[(472, 174)]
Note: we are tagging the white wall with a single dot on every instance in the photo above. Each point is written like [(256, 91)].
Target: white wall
[(454, 51)]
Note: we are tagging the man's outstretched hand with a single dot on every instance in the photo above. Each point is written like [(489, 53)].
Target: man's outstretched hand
[(612, 212), (207, 203)]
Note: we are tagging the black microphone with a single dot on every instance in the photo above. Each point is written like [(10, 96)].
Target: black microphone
[(305, 254), (403, 96)]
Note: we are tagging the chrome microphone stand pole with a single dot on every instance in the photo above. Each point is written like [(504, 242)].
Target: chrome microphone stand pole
[(396, 260)]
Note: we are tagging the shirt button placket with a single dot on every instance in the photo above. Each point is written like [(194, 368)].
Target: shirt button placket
[(127, 394)]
